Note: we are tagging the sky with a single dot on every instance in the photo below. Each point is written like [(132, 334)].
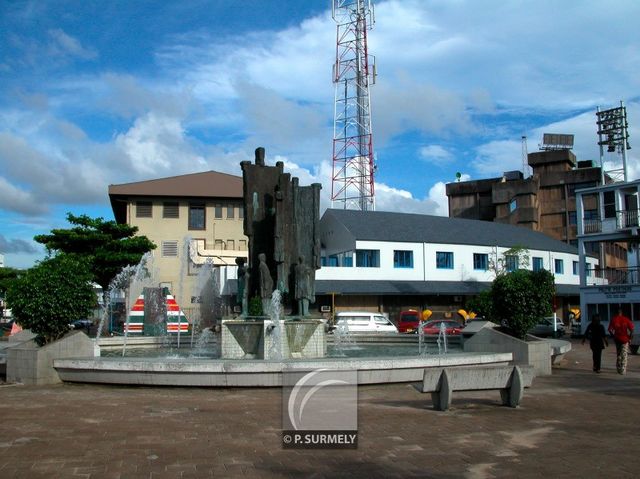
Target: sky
[(94, 93)]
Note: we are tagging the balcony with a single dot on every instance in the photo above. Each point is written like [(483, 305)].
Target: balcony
[(612, 276), (623, 221)]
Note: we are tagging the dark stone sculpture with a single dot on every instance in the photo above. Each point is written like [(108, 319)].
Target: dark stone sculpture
[(281, 221), (305, 290), (242, 286)]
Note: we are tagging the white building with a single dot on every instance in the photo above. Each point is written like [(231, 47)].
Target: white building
[(605, 289), (388, 262)]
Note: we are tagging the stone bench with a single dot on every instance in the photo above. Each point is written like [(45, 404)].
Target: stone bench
[(509, 380)]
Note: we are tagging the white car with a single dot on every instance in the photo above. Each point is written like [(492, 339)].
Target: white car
[(365, 322)]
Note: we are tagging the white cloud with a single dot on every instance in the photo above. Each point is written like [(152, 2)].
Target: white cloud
[(156, 146), (436, 154), (496, 157), (65, 45), (438, 195)]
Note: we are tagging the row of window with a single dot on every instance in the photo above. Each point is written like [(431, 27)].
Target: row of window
[(197, 212), (370, 258), (170, 247)]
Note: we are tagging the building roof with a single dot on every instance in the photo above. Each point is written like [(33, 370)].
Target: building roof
[(399, 288), (208, 184), (408, 227)]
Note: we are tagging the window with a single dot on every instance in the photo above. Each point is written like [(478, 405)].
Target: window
[(170, 248), (480, 261), (403, 259), (143, 209), (218, 244), (538, 263), (513, 204), (559, 266), (242, 245), (609, 201), (511, 262), (444, 260), (590, 214), (240, 211), (588, 269), (368, 258), (231, 244), (575, 268), (230, 212), (573, 218), (330, 261), (217, 212), (196, 216), (170, 209)]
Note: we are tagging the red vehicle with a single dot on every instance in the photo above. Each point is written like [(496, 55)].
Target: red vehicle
[(408, 321), (452, 328)]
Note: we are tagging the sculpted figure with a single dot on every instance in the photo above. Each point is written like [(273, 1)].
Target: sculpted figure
[(266, 284), (304, 292)]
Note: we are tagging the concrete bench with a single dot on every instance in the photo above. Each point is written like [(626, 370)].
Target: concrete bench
[(509, 380)]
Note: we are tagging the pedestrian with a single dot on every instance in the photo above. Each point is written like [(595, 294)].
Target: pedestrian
[(621, 328), (597, 337)]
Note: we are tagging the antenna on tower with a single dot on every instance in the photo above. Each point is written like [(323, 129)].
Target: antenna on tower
[(354, 70)]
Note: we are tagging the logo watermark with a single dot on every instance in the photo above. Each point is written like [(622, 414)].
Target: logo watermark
[(320, 409)]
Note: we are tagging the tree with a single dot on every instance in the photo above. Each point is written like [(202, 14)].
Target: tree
[(482, 304), (107, 246), (518, 256), (52, 294), (7, 276), (522, 297)]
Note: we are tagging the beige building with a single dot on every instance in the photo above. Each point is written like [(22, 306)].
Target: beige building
[(194, 220)]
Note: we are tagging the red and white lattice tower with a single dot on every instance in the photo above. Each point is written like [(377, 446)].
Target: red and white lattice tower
[(352, 183)]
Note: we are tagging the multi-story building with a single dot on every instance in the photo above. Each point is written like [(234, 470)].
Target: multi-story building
[(387, 262), (193, 220), (605, 290)]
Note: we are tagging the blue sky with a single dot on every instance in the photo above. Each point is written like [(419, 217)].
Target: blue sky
[(94, 93)]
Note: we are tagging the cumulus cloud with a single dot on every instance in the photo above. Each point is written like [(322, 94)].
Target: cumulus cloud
[(17, 245), (438, 195), (435, 154)]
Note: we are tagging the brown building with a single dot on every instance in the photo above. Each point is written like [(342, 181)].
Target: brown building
[(545, 202)]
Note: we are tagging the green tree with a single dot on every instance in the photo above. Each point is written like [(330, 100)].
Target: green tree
[(107, 246), (52, 294), (522, 297), (482, 304), (7, 276)]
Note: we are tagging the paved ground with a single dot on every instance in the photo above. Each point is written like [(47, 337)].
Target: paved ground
[(571, 424)]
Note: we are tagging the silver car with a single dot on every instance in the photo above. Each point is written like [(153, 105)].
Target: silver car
[(544, 327)]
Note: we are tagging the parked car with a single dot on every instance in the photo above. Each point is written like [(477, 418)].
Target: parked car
[(544, 328), (81, 324), (408, 321), (365, 322), (451, 327)]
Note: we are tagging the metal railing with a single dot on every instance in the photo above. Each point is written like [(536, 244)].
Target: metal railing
[(609, 276), (627, 218)]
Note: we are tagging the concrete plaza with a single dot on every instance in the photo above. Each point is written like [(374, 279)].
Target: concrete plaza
[(574, 423)]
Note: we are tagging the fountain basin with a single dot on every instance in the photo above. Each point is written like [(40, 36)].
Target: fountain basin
[(255, 373)]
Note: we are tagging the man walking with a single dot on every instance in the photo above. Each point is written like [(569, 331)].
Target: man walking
[(621, 328)]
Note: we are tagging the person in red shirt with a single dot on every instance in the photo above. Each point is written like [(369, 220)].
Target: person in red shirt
[(621, 328)]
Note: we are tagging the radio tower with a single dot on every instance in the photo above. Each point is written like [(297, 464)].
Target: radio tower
[(353, 166)]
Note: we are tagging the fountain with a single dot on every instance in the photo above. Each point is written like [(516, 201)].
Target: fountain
[(442, 339), (281, 222)]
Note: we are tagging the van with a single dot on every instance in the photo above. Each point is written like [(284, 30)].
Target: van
[(365, 322)]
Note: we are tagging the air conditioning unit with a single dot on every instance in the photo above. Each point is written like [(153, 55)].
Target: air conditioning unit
[(325, 309)]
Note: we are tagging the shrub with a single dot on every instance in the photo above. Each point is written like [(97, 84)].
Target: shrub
[(521, 298), (52, 294)]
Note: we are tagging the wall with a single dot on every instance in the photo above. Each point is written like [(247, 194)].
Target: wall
[(29, 364)]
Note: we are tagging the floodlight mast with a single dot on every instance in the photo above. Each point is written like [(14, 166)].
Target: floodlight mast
[(352, 184)]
